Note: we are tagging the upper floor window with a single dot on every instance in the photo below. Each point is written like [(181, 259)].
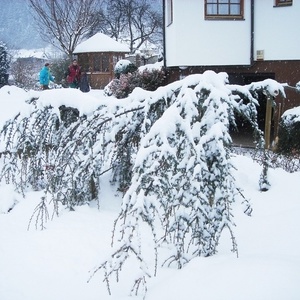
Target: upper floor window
[(169, 12), (283, 2), (224, 9)]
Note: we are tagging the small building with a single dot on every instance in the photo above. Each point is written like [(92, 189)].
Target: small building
[(98, 56)]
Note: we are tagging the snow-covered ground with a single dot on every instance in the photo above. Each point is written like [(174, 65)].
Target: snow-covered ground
[(56, 263)]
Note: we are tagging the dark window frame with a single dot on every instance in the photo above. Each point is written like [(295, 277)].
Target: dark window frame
[(96, 62), (105, 63), (101, 62), (84, 60), (281, 3), (219, 16)]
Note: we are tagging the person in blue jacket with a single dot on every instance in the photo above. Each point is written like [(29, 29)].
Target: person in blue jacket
[(46, 77)]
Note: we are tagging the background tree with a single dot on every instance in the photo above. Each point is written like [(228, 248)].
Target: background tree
[(4, 63), (133, 21), (25, 74), (64, 23), (58, 69)]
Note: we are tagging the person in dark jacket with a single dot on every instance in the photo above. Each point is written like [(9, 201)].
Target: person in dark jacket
[(84, 83), (73, 75), (46, 77)]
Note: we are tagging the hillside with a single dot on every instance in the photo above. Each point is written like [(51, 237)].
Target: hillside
[(17, 27)]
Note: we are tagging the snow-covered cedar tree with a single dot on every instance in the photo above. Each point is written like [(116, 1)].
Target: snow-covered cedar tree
[(146, 78), (289, 132), (124, 66), (4, 64), (169, 152)]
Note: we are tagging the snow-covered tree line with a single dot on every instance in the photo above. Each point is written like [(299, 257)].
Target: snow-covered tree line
[(169, 152)]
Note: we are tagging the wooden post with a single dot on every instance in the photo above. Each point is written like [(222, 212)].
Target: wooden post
[(268, 122)]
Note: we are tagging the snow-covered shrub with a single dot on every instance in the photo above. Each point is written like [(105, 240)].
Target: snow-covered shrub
[(36, 154), (289, 132), (169, 151), (124, 66), (289, 163), (150, 80), (122, 87), (182, 185), (147, 79)]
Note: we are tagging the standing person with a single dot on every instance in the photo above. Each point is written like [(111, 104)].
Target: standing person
[(46, 77), (73, 75), (84, 83)]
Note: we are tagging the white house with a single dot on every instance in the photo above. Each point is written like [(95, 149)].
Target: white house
[(251, 40)]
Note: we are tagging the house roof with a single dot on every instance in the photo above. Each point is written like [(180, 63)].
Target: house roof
[(101, 43)]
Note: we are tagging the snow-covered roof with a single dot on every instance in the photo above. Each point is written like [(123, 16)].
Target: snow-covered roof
[(101, 43)]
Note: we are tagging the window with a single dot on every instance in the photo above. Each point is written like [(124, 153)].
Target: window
[(101, 63), (83, 59), (224, 9), (105, 63), (96, 63), (169, 12), (283, 2)]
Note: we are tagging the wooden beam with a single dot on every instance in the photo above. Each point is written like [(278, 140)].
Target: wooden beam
[(268, 123)]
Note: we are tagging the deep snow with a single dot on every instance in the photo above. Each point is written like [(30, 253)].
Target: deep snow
[(55, 264)]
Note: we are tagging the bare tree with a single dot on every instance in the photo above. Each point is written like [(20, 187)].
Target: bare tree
[(24, 73), (134, 21), (64, 23)]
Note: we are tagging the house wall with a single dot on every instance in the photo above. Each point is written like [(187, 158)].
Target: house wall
[(192, 41), (194, 44), (276, 30)]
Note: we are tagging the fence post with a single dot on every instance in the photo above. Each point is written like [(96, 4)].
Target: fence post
[(268, 122)]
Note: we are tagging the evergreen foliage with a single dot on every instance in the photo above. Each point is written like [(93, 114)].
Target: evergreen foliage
[(124, 66), (59, 68), (169, 153), (4, 64), (289, 134)]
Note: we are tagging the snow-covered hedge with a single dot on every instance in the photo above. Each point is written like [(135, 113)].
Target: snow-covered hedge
[(289, 132)]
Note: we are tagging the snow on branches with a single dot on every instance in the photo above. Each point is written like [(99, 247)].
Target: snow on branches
[(168, 151)]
